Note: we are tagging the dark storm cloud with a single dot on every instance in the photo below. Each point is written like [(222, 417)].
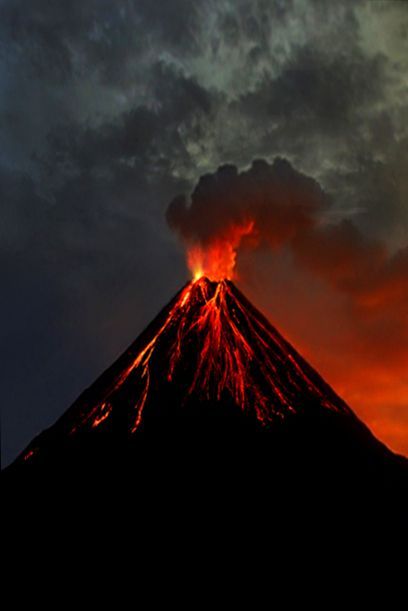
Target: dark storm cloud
[(280, 201), (142, 135), (110, 109), (63, 40), (316, 91), (378, 186), (329, 106)]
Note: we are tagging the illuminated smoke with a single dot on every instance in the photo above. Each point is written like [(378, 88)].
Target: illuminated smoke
[(229, 210)]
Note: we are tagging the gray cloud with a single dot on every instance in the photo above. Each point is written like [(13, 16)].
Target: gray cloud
[(280, 201)]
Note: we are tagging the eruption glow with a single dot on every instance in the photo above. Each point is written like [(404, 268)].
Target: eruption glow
[(216, 259)]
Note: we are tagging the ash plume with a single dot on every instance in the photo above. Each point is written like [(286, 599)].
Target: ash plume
[(280, 202)]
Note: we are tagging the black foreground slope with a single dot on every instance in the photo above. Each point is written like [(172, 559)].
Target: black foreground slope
[(210, 394)]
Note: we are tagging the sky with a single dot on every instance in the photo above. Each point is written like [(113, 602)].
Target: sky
[(123, 126)]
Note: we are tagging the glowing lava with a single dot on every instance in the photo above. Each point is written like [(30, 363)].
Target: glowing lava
[(216, 259), (212, 345)]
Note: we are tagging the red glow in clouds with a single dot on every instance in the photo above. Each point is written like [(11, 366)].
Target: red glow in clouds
[(217, 259)]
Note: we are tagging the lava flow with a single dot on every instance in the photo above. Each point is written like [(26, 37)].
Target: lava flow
[(212, 345)]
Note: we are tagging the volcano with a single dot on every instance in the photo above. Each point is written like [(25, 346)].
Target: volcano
[(208, 373), (209, 352)]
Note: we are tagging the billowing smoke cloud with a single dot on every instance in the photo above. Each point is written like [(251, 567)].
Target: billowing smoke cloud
[(339, 294), (280, 201), (285, 208)]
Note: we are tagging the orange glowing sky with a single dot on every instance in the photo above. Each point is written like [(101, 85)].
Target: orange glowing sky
[(361, 348)]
